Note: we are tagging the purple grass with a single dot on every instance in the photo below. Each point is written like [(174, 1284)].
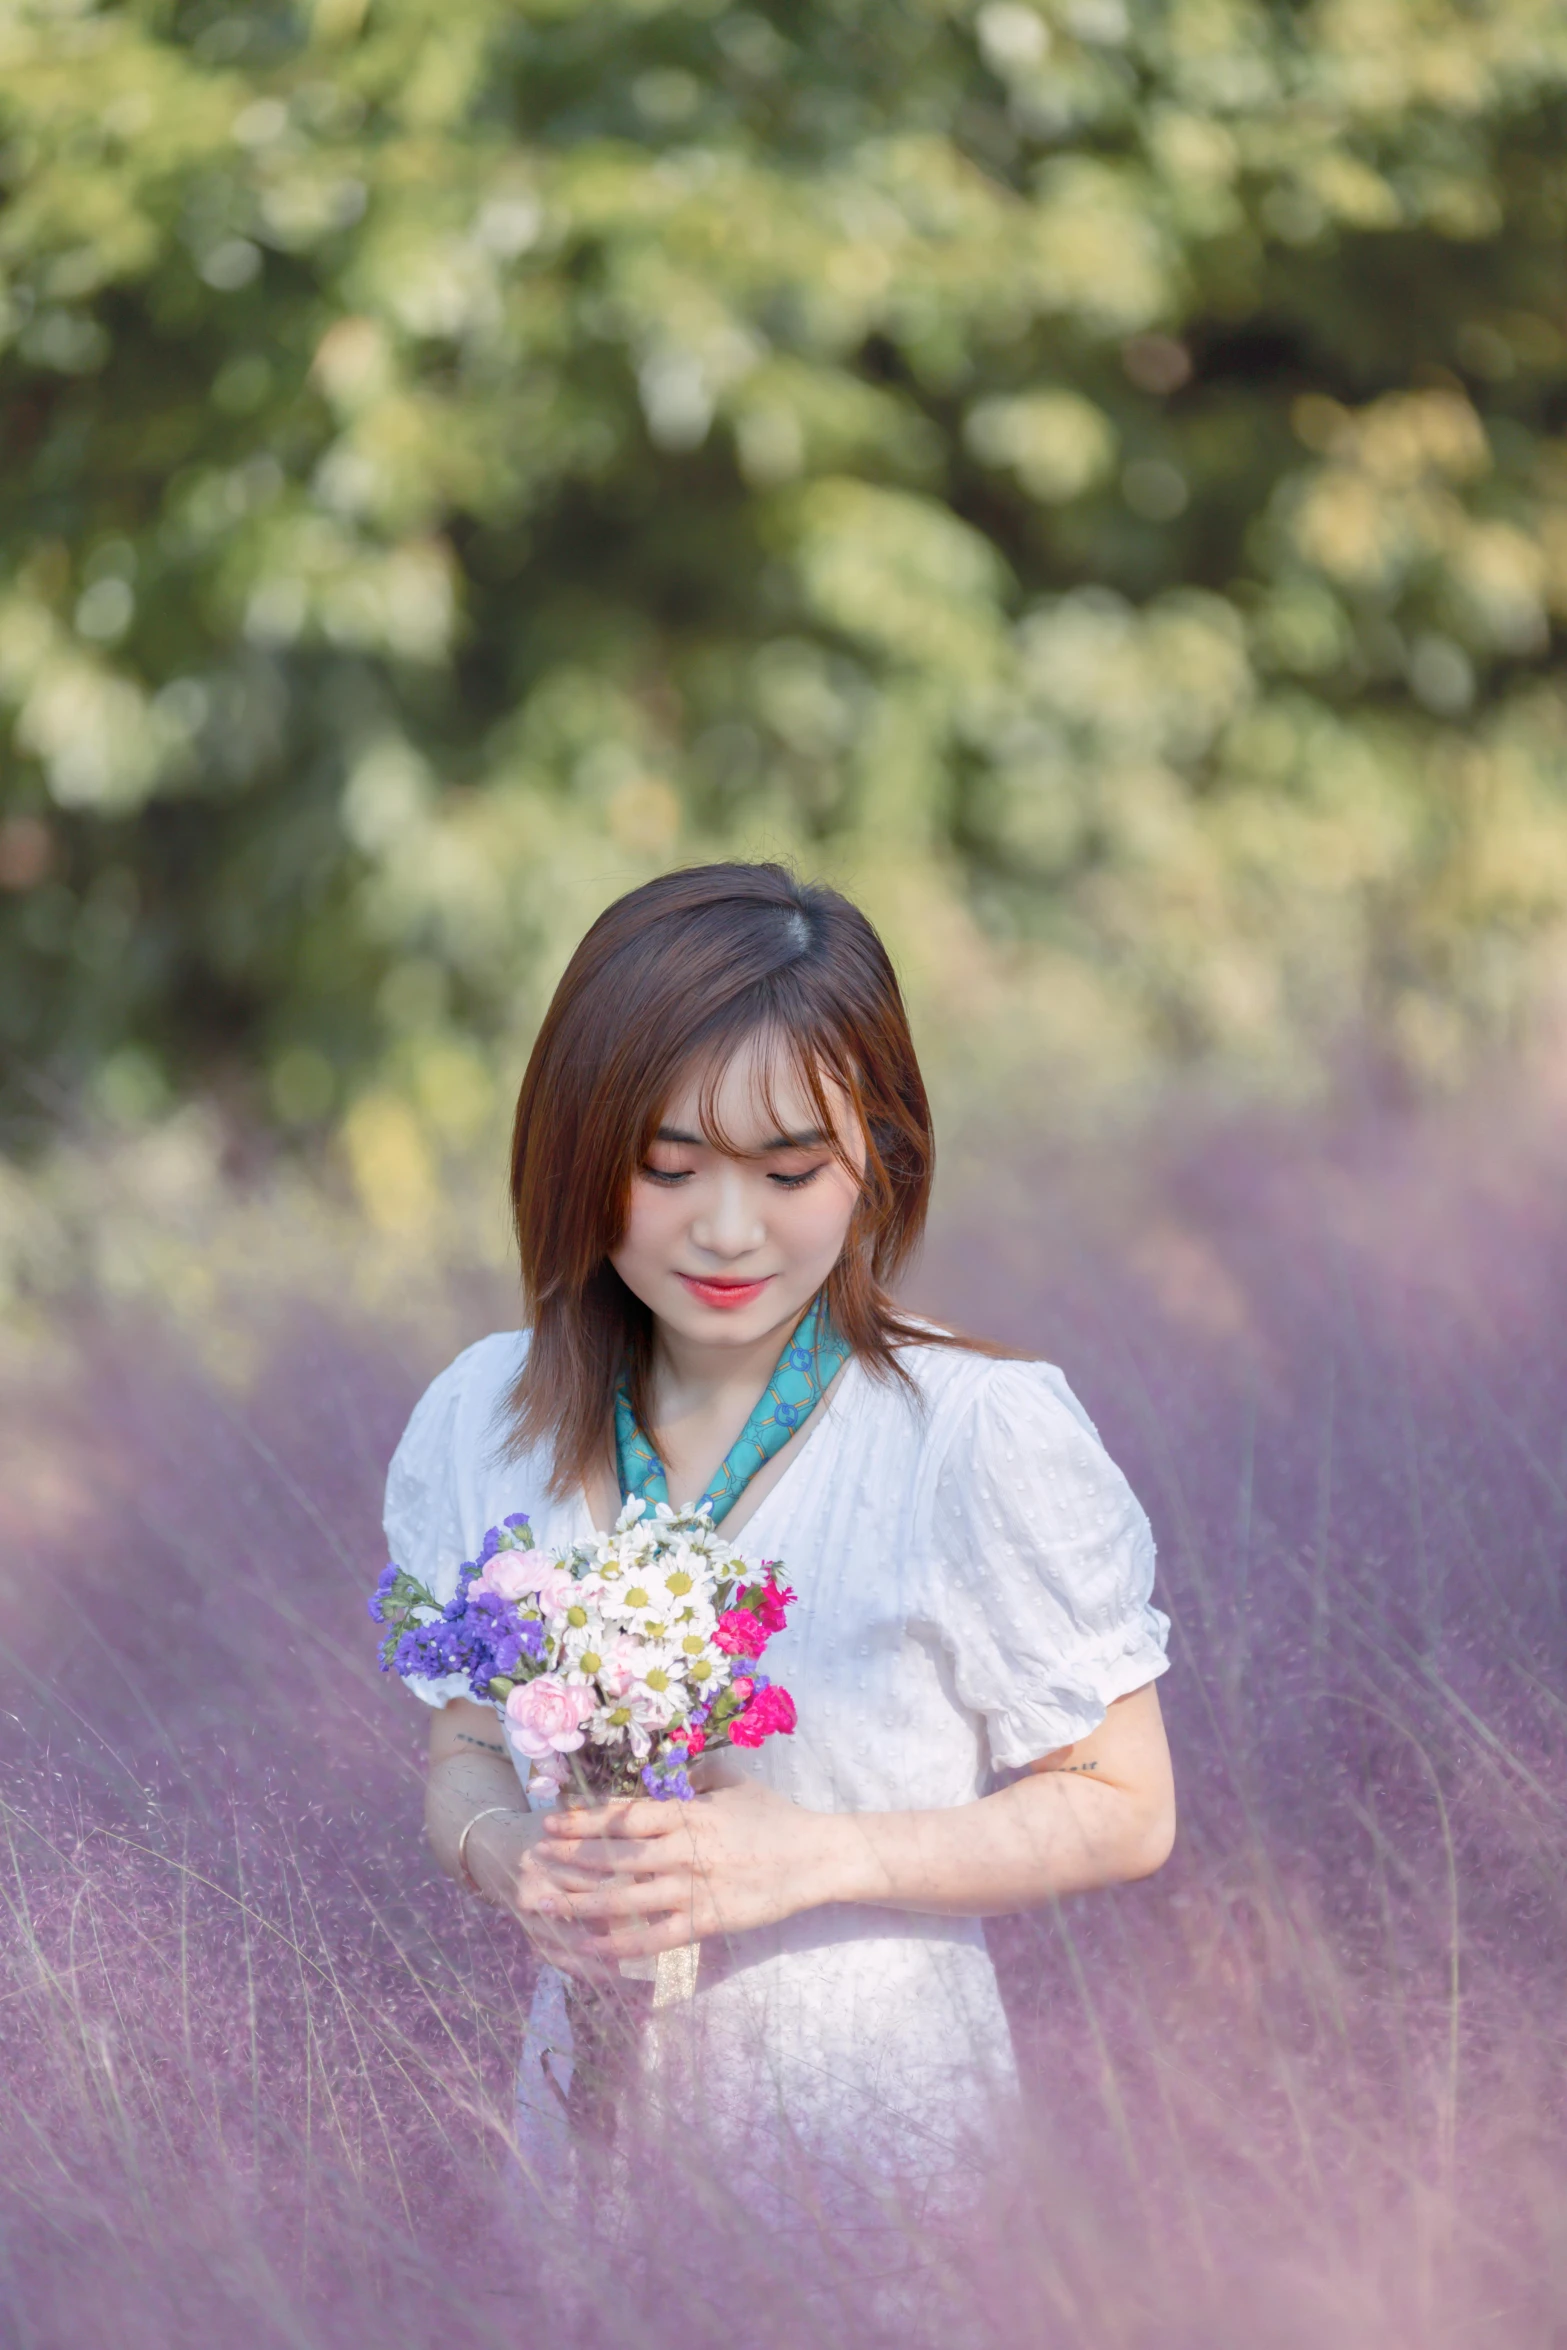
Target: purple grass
[(1304, 2088)]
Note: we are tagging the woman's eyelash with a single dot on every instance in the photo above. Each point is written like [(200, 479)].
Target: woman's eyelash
[(669, 1176)]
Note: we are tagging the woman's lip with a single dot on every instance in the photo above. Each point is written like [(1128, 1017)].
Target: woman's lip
[(724, 1294)]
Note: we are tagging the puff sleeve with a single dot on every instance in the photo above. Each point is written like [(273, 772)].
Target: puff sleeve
[(1042, 1566), (423, 1515)]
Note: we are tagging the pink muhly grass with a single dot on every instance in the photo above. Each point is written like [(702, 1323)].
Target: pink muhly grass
[(1304, 2088)]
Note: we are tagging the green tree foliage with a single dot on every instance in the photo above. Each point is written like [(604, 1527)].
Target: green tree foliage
[(1088, 472)]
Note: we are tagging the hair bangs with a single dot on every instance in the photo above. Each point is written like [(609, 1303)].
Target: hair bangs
[(782, 1038)]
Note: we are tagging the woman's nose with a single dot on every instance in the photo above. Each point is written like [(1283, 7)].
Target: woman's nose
[(728, 1225)]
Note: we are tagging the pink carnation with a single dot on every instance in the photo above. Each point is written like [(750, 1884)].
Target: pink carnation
[(771, 1599), (739, 1633), (691, 1739), (549, 1715), (619, 1667), (511, 1574), (769, 1711), (557, 1591)]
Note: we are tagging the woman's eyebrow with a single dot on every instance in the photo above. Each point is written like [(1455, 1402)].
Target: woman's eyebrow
[(810, 1140)]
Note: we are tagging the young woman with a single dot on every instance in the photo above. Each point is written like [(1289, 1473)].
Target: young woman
[(723, 1132)]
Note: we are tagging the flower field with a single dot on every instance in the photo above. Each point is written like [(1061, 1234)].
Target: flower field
[(1304, 2088)]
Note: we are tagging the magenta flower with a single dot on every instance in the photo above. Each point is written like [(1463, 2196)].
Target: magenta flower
[(770, 1711), (770, 1599), (740, 1633)]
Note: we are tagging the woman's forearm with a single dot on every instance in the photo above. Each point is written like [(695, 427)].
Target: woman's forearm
[(1051, 1833), (457, 1789)]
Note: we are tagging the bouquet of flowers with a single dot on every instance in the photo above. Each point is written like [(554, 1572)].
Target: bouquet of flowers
[(615, 1665)]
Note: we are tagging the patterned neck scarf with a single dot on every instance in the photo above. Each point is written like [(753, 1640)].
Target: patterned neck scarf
[(807, 1366)]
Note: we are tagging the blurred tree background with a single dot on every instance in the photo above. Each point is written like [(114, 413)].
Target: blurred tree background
[(1091, 475)]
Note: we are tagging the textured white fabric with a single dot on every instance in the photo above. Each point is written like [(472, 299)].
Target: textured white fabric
[(974, 1578)]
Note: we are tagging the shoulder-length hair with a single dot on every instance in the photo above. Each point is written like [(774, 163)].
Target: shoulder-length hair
[(674, 977)]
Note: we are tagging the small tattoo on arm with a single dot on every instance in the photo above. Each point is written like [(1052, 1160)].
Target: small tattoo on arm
[(1087, 1766), (490, 1745)]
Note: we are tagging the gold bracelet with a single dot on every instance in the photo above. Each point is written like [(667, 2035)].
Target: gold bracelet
[(491, 1811)]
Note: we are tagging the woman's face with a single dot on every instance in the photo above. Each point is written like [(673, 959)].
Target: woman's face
[(726, 1246)]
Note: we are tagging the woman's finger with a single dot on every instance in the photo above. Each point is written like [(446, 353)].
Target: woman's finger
[(592, 1950), (569, 1889), (617, 1822), (659, 1934), (610, 1898), (646, 1899), (569, 1943), (598, 1959), (595, 1861), (594, 1953)]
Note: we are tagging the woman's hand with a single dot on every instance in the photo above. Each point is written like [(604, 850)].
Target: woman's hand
[(487, 1840), (640, 1877), (504, 1861)]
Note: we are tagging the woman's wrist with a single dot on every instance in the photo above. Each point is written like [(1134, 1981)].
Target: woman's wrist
[(474, 1821), (844, 1870), (887, 1859), (495, 1843)]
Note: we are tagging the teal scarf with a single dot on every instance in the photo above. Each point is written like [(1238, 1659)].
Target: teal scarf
[(808, 1365)]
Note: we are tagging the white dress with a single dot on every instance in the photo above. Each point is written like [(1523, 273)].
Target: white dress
[(973, 1577)]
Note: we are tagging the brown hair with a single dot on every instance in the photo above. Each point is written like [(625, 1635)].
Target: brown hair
[(682, 971)]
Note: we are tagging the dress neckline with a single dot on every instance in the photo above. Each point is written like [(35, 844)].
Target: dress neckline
[(808, 1363), (826, 1414), (822, 1418)]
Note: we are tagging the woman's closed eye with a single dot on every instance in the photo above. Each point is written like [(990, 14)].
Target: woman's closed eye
[(786, 1180)]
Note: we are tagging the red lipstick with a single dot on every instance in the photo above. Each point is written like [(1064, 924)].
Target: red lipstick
[(726, 1295)]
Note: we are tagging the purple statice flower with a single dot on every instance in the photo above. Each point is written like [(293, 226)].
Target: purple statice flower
[(667, 1781), (427, 1652), (511, 1638), (518, 1518), (527, 1641), (494, 1639), (476, 1633), (467, 1643)]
